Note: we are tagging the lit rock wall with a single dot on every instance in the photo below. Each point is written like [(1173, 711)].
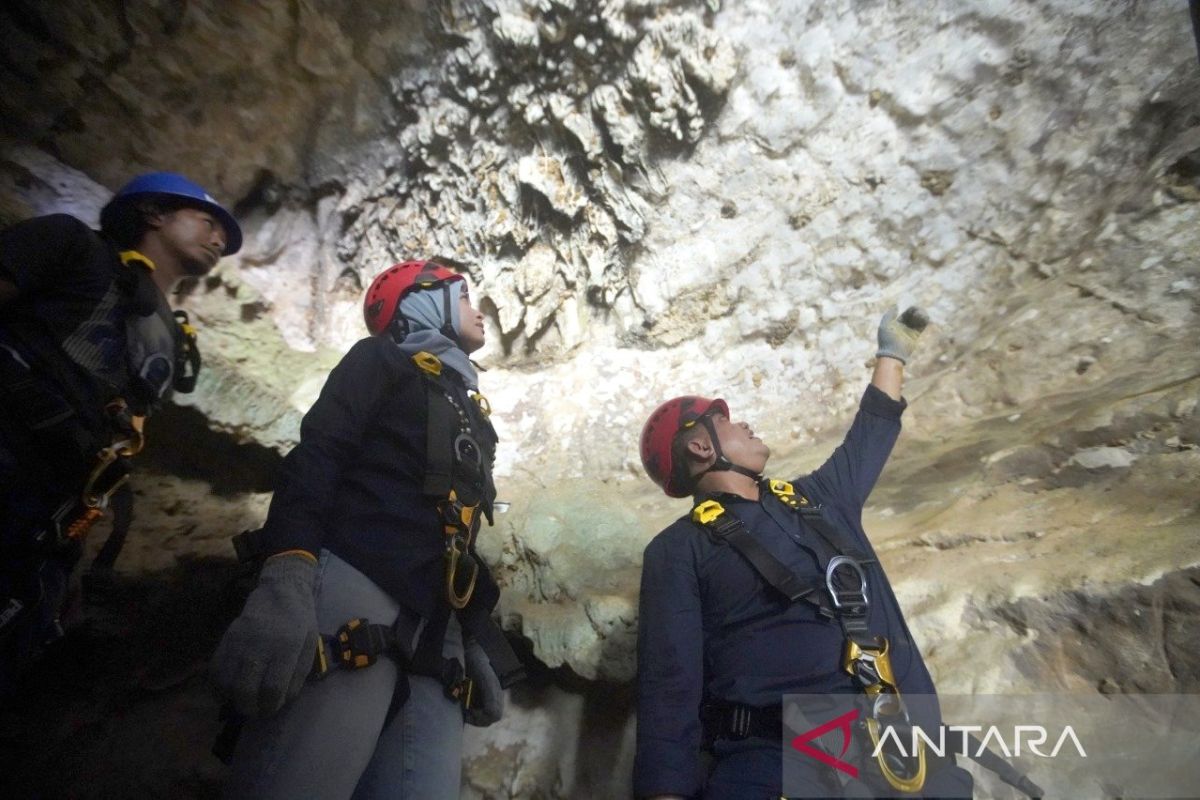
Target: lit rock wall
[(657, 198)]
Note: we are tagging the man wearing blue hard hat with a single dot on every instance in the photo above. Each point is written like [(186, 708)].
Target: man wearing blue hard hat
[(89, 347)]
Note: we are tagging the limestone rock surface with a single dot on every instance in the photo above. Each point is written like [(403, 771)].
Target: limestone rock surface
[(661, 197)]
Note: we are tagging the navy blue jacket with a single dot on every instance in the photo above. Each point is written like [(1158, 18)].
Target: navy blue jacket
[(354, 482), (710, 628)]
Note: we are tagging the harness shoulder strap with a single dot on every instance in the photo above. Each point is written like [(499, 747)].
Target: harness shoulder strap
[(439, 429), (722, 527), (812, 515)]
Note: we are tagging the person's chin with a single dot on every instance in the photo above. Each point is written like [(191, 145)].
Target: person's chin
[(199, 267)]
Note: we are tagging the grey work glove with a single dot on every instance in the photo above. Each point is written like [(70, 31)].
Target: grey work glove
[(898, 334), (487, 696), (268, 651)]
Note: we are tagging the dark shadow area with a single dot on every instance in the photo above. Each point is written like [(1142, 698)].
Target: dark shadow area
[(121, 706), (1137, 640), (606, 711), (607, 707), (179, 442)]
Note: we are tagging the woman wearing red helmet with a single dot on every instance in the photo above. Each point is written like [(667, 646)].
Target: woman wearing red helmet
[(368, 637)]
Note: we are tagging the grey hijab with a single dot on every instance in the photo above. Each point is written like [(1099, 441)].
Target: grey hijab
[(424, 312)]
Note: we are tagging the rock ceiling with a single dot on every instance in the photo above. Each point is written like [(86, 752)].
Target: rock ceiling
[(658, 197)]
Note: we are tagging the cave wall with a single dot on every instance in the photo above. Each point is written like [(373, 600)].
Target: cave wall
[(655, 198)]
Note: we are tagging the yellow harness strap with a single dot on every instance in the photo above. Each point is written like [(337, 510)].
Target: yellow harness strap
[(134, 257)]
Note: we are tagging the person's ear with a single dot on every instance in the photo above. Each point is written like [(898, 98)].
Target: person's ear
[(155, 218), (700, 449)]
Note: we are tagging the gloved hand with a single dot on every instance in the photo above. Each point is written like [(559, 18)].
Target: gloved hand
[(268, 651), (488, 698), (898, 335)]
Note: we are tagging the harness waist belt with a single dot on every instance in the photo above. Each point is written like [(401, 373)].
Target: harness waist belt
[(735, 722)]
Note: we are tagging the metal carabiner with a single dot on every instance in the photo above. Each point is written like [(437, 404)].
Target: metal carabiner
[(104, 459), (456, 599), (467, 451), (910, 783), (861, 592), (889, 704)]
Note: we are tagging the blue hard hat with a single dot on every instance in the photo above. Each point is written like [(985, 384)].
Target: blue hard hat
[(168, 184)]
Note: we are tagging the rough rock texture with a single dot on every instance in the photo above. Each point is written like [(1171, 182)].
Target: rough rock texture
[(532, 153), (237, 93), (656, 198)]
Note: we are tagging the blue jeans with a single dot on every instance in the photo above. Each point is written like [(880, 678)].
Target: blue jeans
[(334, 741)]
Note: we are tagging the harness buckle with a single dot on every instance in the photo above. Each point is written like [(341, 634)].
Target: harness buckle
[(359, 644), (739, 722), (459, 519), (428, 362), (455, 682), (482, 402), (463, 691), (707, 512), (871, 666)]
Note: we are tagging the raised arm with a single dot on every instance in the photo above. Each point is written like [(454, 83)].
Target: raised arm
[(849, 475), (897, 339)]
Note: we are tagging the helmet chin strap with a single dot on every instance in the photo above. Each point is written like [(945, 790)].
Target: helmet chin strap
[(721, 464), (399, 328), (448, 327)]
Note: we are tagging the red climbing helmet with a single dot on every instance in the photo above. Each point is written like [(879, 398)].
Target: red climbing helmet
[(658, 435), (390, 286)]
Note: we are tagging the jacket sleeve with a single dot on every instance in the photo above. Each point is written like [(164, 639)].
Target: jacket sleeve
[(670, 674), (34, 253), (849, 475), (330, 436)]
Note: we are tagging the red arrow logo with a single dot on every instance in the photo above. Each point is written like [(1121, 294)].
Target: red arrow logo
[(842, 722)]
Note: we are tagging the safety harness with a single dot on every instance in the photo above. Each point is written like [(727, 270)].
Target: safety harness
[(460, 442), (459, 439), (843, 597), (54, 394), (58, 543)]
